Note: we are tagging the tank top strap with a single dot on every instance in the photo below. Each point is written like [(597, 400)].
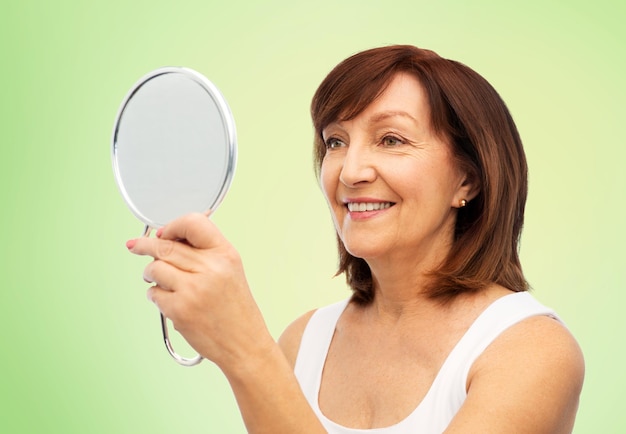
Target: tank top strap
[(450, 384), (314, 345)]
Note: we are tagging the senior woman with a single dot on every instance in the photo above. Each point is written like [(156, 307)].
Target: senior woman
[(425, 177)]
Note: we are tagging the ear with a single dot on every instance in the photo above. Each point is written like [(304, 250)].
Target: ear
[(468, 189)]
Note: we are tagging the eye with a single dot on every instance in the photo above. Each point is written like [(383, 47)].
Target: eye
[(334, 143), (391, 141)]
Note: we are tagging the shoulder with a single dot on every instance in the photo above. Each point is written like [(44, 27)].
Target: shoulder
[(289, 341), (539, 345), (530, 377), (291, 338)]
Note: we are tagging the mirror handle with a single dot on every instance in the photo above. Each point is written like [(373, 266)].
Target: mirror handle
[(166, 336), (181, 360)]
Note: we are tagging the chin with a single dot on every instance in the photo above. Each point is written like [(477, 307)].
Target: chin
[(363, 252)]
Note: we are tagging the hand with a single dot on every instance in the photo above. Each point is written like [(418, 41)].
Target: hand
[(199, 284)]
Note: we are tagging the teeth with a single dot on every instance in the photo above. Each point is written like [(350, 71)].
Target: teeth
[(367, 206)]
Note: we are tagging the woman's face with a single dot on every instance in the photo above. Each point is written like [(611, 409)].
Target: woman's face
[(392, 185)]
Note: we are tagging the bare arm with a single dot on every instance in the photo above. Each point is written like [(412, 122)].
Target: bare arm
[(199, 284), (527, 382), (269, 397), (271, 393)]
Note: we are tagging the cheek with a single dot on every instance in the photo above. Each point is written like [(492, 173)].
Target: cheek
[(328, 181)]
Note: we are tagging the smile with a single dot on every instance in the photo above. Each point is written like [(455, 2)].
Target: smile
[(368, 206)]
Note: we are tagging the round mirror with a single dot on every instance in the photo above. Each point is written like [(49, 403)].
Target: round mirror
[(174, 151), (174, 146)]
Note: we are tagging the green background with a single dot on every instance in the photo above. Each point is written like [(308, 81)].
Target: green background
[(81, 347)]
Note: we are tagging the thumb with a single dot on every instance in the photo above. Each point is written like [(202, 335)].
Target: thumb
[(196, 229)]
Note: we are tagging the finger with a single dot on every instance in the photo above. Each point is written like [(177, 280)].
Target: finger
[(164, 275), (162, 298), (176, 253), (196, 229)]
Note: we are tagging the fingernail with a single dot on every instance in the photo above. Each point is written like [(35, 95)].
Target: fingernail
[(130, 244), (159, 232)]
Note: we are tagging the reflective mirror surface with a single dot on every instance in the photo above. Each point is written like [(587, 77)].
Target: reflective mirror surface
[(174, 146)]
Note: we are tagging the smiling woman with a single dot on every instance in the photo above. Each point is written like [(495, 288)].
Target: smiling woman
[(383, 147), (425, 177), (462, 112)]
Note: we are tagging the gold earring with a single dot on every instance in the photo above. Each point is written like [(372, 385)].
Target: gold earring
[(462, 203)]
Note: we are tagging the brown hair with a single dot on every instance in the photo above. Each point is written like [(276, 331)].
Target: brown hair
[(467, 112)]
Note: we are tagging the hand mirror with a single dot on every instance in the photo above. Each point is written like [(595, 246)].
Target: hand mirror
[(174, 152)]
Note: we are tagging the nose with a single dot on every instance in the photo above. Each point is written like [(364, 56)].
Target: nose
[(358, 166)]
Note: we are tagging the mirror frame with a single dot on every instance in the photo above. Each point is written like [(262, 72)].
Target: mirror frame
[(227, 121)]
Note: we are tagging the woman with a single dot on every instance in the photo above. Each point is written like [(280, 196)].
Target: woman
[(425, 176)]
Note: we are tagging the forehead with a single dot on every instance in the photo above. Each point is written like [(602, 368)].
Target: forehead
[(403, 98), (404, 92)]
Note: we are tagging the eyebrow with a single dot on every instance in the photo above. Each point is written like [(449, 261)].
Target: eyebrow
[(378, 117)]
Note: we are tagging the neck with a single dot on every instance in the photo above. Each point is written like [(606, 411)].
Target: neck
[(401, 276), (401, 290)]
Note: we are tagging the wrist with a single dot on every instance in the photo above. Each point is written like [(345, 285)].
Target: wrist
[(261, 357)]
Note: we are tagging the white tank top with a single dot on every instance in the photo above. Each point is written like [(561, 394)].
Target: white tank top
[(447, 392)]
